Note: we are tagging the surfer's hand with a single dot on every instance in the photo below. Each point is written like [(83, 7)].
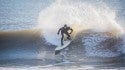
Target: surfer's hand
[(70, 33)]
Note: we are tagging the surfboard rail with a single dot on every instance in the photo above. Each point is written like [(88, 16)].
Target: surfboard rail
[(59, 48), (66, 43)]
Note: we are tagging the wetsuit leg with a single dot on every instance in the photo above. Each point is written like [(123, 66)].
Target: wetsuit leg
[(68, 36), (62, 38)]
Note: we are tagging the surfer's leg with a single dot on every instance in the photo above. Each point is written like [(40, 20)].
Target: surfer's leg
[(62, 38), (68, 36)]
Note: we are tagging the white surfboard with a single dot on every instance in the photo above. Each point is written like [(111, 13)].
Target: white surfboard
[(59, 48), (66, 43)]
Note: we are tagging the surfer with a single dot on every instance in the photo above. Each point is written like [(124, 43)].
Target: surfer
[(64, 30)]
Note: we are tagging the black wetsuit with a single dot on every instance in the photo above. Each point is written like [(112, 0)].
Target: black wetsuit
[(64, 30)]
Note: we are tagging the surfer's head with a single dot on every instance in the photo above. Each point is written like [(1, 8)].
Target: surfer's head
[(65, 25)]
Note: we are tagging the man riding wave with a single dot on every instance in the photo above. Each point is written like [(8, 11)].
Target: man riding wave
[(64, 30)]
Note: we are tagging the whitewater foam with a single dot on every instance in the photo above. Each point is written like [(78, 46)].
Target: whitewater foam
[(98, 45)]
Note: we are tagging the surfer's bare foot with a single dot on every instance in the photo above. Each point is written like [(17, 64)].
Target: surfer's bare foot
[(68, 38)]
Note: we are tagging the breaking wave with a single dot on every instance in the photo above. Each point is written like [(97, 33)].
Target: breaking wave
[(96, 32), (83, 15)]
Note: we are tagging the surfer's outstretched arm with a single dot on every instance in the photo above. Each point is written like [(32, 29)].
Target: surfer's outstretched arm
[(59, 31)]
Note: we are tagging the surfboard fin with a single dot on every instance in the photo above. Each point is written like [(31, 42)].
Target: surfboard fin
[(57, 52)]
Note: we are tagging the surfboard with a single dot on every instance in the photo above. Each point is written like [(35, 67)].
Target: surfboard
[(59, 48), (66, 43)]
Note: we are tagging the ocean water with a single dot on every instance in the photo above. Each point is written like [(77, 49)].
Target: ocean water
[(27, 50), (28, 34), (16, 14)]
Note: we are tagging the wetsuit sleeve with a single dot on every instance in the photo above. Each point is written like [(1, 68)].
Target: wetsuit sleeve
[(71, 30), (59, 31)]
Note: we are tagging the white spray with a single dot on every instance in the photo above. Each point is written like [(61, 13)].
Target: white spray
[(86, 15)]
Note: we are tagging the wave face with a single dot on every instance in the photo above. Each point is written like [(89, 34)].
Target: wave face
[(25, 44), (29, 44)]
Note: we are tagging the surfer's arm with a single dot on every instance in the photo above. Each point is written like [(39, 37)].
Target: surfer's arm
[(71, 30), (59, 31)]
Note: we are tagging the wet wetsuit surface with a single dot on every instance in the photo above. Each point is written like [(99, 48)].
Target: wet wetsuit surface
[(64, 31)]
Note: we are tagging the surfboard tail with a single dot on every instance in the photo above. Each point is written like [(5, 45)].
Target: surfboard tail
[(57, 52)]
